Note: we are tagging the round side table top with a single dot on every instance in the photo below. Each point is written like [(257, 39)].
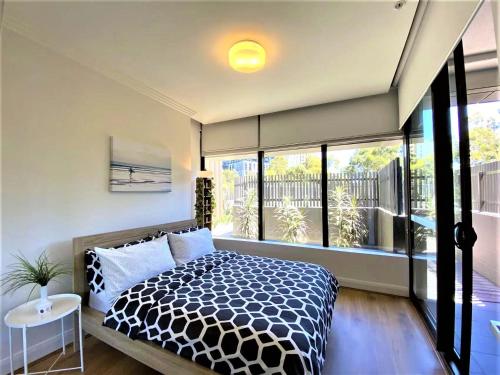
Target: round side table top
[(25, 315)]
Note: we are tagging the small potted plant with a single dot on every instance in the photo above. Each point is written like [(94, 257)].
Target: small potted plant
[(23, 273)]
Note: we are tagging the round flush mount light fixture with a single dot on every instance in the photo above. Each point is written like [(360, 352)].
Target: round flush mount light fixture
[(247, 56)]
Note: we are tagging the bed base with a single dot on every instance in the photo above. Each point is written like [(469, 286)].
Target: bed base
[(150, 354)]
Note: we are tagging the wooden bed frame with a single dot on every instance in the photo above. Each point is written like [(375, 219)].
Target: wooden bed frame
[(148, 353)]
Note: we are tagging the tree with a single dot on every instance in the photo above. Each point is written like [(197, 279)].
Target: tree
[(277, 166), (484, 145), (372, 158), (298, 170), (313, 164), (424, 164)]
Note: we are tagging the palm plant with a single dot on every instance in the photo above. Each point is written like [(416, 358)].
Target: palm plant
[(291, 221), (248, 215), (345, 219), (23, 273)]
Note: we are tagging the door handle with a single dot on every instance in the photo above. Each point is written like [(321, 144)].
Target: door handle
[(464, 235)]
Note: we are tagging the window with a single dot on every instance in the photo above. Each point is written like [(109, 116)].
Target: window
[(236, 206), (365, 196), (292, 196)]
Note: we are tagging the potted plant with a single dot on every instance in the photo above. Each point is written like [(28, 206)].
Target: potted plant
[(40, 273)]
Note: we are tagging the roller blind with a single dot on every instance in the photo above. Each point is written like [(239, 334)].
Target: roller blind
[(364, 117), (442, 26), (235, 135)]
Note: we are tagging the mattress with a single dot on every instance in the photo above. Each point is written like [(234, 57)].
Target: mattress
[(234, 313)]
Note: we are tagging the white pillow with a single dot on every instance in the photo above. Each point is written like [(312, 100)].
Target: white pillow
[(188, 246), (122, 268)]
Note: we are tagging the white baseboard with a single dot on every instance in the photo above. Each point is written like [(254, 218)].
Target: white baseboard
[(372, 286), (35, 351)]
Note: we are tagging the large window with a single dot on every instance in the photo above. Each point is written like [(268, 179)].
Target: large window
[(365, 196), (236, 205), (292, 196)]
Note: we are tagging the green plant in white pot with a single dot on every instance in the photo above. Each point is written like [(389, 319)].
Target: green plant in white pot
[(39, 273)]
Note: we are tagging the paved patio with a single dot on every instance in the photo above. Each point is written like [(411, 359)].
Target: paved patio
[(485, 349)]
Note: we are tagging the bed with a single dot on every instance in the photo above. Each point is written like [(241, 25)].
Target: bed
[(224, 312)]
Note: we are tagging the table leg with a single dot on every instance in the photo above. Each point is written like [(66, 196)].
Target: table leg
[(25, 352), (62, 336), (80, 334), (75, 332), (10, 351)]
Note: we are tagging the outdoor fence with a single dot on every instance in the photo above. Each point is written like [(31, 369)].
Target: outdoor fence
[(305, 190), (422, 187), (390, 187), (485, 184), (371, 189), (382, 189)]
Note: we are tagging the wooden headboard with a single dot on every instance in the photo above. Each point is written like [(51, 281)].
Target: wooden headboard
[(80, 244)]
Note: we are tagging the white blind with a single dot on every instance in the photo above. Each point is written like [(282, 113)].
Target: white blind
[(442, 26), (227, 136), (363, 117)]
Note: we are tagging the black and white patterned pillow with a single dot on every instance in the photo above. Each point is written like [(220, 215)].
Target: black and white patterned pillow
[(161, 233), (93, 267)]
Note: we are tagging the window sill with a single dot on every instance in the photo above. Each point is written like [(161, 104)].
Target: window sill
[(279, 244)]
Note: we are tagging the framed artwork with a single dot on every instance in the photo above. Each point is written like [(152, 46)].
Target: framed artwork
[(139, 167)]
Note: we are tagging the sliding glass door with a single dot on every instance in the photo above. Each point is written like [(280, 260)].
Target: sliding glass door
[(464, 233), (422, 208), (453, 148)]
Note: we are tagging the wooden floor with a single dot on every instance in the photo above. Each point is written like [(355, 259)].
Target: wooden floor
[(372, 334)]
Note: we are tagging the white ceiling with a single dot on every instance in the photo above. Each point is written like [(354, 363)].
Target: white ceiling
[(317, 52)]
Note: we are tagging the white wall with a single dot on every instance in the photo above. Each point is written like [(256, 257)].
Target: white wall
[(485, 254), (56, 122), (375, 271)]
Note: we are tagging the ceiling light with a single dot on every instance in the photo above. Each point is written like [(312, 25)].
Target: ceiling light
[(247, 56)]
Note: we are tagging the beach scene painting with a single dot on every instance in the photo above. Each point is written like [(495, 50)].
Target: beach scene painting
[(138, 167)]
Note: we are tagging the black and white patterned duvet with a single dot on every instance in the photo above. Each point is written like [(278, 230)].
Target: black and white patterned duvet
[(234, 313)]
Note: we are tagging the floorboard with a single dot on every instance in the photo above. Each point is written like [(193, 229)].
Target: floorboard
[(372, 334)]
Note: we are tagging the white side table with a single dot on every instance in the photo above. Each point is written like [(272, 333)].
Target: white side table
[(25, 316)]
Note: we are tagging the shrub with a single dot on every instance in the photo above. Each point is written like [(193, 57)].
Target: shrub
[(291, 221), (248, 215), (345, 219)]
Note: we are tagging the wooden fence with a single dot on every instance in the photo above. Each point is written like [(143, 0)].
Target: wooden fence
[(372, 189), (485, 187), (390, 187), (363, 186), (304, 191), (422, 187)]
